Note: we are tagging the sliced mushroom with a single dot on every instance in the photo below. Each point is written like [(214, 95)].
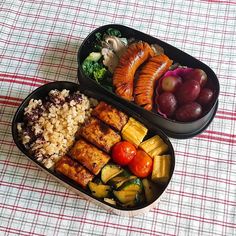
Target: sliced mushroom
[(116, 44), (110, 59)]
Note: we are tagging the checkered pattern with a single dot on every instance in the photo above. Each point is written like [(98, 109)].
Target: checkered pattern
[(38, 43)]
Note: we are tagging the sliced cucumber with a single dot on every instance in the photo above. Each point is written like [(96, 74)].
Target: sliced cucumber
[(110, 171), (99, 190), (149, 190), (132, 185), (124, 196)]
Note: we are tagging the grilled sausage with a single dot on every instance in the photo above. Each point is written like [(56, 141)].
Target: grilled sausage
[(146, 82), (129, 62)]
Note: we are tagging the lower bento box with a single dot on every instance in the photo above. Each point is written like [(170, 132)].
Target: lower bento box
[(95, 146)]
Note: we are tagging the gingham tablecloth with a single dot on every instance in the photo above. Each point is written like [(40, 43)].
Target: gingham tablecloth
[(39, 41)]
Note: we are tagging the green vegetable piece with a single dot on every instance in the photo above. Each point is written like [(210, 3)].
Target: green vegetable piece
[(150, 190), (113, 32), (99, 74), (109, 171), (98, 36), (93, 56), (99, 190), (132, 185), (125, 196)]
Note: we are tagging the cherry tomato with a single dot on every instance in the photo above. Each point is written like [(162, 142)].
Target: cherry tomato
[(123, 152), (141, 164)]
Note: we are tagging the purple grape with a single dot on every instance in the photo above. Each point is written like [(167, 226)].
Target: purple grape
[(188, 112)]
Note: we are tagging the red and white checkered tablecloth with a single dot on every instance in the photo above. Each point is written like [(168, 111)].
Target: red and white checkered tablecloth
[(39, 41)]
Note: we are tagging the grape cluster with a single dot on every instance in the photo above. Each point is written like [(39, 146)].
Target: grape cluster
[(184, 97)]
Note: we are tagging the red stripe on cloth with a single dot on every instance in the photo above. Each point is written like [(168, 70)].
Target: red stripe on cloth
[(220, 133), (18, 232), (195, 218), (21, 77), (210, 137), (225, 117), (205, 177), (80, 219), (10, 98), (9, 103), (33, 84), (200, 197)]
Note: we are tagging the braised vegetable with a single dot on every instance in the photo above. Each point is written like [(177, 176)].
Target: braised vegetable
[(110, 201), (132, 185), (154, 146), (109, 171), (132, 58), (117, 181), (161, 169), (149, 190), (124, 196), (99, 190), (148, 76), (134, 132)]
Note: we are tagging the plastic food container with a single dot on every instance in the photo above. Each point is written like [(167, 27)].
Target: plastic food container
[(175, 129), (41, 93)]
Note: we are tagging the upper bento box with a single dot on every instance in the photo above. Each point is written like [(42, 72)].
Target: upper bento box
[(166, 86)]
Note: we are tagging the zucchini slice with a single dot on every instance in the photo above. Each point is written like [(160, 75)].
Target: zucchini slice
[(109, 171), (119, 180), (132, 185), (99, 190), (149, 190), (124, 196), (110, 201)]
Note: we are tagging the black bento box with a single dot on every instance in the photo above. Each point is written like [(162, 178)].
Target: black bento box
[(41, 93), (175, 129)]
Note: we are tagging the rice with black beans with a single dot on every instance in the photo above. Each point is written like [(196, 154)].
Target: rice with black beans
[(49, 126)]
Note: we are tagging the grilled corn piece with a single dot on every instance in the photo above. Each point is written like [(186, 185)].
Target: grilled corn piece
[(74, 171), (134, 132), (161, 169), (154, 146), (110, 115)]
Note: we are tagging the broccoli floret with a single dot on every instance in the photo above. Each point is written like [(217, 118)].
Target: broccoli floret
[(93, 68), (113, 32), (99, 74)]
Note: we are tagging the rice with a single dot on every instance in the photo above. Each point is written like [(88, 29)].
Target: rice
[(49, 126)]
